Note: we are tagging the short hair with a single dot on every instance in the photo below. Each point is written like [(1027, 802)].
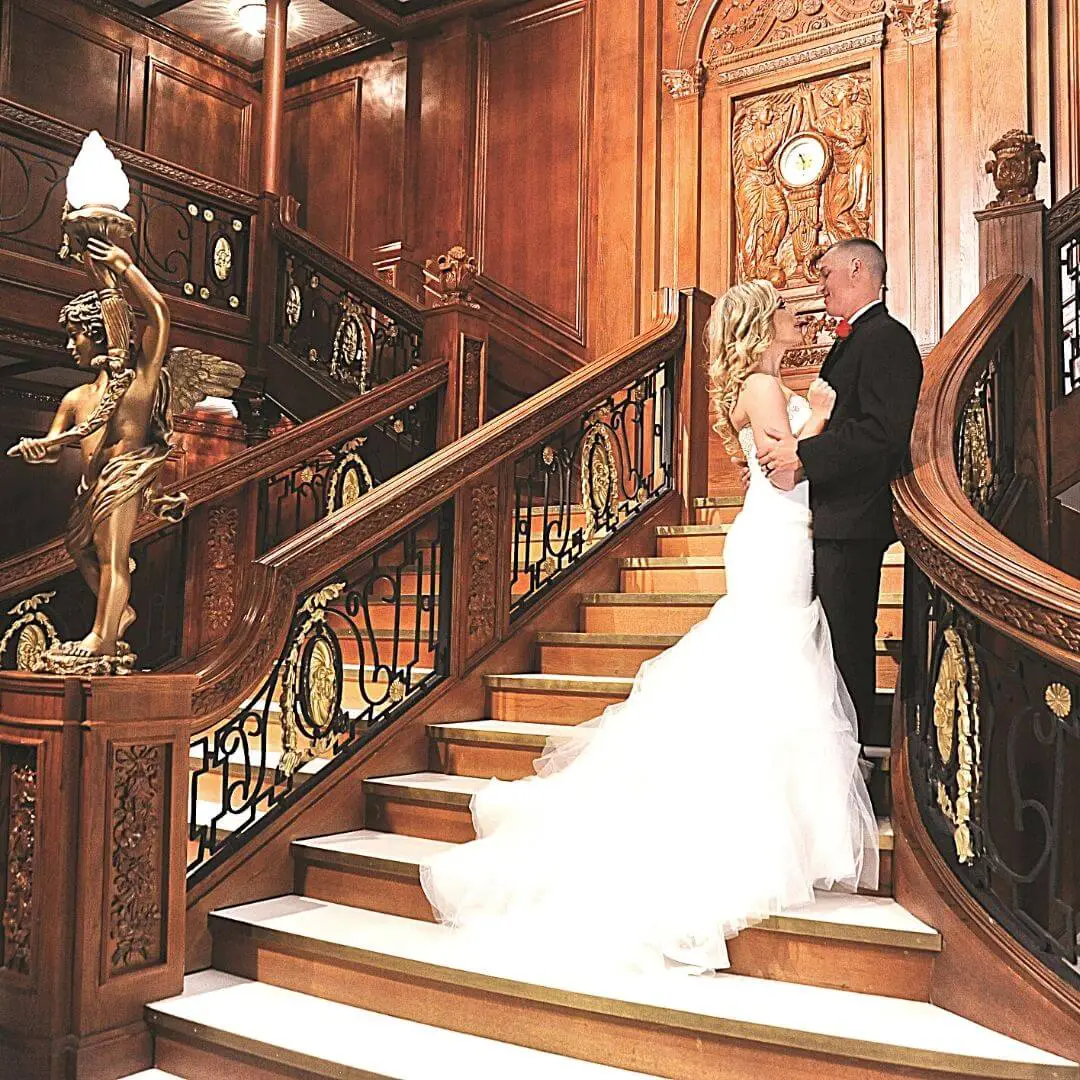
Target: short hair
[(867, 251), (85, 312)]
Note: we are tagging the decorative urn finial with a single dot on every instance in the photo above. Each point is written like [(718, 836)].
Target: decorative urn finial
[(1015, 168)]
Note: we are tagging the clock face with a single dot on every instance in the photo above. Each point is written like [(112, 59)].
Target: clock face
[(803, 160)]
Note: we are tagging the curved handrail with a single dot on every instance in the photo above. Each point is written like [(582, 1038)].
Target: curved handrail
[(282, 575), (995, 579), (49, 560)]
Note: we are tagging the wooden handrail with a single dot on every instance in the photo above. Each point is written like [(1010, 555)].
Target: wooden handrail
[(41, 129), (996, 580), (49, 560), (232, 672), (1063, 220)]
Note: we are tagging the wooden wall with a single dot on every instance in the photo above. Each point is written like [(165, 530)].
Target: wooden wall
[(345, 146), (70, 61)]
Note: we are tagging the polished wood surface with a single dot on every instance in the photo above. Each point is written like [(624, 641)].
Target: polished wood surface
[(273, 71), (101, 73)]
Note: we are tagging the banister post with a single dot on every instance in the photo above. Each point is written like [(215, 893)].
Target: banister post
[(1012, 240), (459, 335), (93, 784), (693, 427)]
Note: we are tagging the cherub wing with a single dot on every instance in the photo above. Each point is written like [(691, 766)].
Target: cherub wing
[(194, 375)]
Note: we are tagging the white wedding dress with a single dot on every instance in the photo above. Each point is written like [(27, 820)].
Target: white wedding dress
[(723, 790)]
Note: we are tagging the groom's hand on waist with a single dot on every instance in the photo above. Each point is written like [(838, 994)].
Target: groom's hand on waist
[(779, 458)]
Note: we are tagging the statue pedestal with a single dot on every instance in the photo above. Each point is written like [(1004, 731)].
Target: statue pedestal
[(93, 797)]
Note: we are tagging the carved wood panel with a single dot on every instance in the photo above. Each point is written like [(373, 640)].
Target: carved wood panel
[(87, 76), (744, 26), (181, 109), (532, 161), (137, 880), (20, 789), (785, 213), (482, 562), (322, 138)]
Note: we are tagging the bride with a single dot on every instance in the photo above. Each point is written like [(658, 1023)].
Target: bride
[(727, 786)]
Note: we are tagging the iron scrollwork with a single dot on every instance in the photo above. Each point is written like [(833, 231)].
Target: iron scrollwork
[(1065, 313), (187, 244), (581, 486), (347, 337), (363, 646), (304, 493), (993, 739)]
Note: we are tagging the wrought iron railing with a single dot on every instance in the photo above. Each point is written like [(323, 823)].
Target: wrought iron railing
[(343, 326), (364, 646), (192, 239), (579, 487), (985, 444), (991, 645), (1064, 291), (993, 742), (305, 492)]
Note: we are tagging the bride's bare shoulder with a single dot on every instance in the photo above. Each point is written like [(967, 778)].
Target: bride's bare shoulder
[(761, 388)]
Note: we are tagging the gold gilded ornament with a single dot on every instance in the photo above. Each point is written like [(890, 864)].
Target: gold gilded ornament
[(1059, 700)]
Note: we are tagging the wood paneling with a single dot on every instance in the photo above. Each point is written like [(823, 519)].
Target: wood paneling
[(322, 139), (198, 124), (532, 160), (87, 74), (345, 141)]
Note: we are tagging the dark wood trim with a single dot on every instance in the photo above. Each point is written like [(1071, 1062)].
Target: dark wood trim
[(42, 129)]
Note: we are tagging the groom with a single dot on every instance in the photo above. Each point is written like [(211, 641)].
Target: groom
[(876, 370)]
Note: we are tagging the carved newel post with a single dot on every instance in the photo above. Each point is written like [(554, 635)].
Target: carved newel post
[(93, 777), (456, 332), (1012, 240)]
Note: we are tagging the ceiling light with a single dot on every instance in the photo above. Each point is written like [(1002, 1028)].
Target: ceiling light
[(252, 18)]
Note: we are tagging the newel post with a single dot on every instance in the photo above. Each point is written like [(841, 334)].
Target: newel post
[(693, 424), (1012, 240), (93, 779)]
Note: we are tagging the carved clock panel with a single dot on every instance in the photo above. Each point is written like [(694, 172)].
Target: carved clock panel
[(803, 164)]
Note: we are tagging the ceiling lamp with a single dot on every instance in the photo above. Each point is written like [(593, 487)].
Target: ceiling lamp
[(252, 18)]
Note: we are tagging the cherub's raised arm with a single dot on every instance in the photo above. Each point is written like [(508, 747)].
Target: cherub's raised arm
[(156, 336)]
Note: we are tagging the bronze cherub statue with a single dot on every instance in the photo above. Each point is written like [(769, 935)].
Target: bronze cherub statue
[(122, 422)]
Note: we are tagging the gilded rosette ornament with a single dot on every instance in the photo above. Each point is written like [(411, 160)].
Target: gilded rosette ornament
[(1015, 168)]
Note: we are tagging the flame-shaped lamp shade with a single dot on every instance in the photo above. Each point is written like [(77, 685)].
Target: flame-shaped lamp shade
[(97, 178)]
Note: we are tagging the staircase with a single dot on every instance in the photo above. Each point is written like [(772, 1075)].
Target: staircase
[(349, 977)]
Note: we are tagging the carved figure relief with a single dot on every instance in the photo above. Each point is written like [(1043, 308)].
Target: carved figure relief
[(740, 26), (803, 160)]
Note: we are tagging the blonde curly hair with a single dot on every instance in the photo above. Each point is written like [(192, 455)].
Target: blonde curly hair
[(739, 330)]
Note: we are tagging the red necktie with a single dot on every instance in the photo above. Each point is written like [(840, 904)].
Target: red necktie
[(843, 329)]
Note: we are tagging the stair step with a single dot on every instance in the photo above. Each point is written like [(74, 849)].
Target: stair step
[(487, 748), (552, 699), (863, 943), (717, 510), (580, 653), (679, 1026), (274, 1027), (675, 613)]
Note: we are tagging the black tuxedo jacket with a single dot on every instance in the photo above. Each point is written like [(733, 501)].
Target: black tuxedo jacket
[(876, 373)]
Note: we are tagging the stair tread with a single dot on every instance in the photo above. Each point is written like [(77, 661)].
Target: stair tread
[(657, 599), (865, 1026), (598, 684), (707, 562), (708, 502), (693, 530), (850, 916), (514, 732), (326, 1036), (661, 641)]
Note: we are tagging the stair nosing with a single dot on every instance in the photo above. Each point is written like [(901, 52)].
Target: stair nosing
[(680, 1018), (611, 639), (598, 685)]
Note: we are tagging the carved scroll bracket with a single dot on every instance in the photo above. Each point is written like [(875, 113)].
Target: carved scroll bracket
[(456, 273), (918, 21), (681, 83)]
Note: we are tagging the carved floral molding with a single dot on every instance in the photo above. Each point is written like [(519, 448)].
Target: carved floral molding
[(915, 20), (219, 596), (21, 843), (684, 84), (483, 539)]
